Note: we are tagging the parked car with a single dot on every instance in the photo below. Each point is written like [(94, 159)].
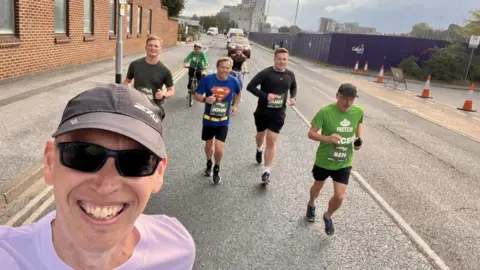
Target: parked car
[(241, 42)]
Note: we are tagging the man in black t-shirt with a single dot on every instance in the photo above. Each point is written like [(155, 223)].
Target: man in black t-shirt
[(149, 75), (269, 116)]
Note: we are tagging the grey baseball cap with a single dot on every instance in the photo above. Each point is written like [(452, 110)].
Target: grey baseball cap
[(348, 90), (118, 109)]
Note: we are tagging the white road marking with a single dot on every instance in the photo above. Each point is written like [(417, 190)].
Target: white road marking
[(39, 210), (423, 247), (29, 206)]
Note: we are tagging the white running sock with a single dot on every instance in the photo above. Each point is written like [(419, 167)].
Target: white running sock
[(266, 170), (259, 149)]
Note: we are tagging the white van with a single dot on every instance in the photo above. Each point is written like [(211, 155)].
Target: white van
[(212, 31)]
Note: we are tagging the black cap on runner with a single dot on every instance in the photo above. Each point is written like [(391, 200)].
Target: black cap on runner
[(348, 90), (118, 109)]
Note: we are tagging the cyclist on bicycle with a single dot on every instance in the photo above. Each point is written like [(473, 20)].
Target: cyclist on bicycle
[(198, 61), (239, 66)]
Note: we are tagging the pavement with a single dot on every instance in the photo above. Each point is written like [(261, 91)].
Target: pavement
[(428, 174)]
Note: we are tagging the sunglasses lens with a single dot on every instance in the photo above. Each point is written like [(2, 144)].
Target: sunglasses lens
[(137, 163), (82, 157)]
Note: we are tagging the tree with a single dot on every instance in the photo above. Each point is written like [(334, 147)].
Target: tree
[(195, 17), (174, 7), (284, 29), (295, 29), (473, 24)]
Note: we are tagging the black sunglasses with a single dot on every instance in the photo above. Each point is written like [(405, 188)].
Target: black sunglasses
[(89, 157)]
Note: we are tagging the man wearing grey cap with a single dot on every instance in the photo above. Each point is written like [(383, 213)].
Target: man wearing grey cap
[(341, 130), (106, 159)]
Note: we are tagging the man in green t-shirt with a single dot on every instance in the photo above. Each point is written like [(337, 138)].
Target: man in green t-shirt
[(198, 61), (341, 131)]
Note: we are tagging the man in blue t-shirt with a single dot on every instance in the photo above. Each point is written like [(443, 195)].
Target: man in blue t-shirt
[(219, 90)]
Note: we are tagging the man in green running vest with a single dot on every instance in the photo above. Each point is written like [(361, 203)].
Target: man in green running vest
[(197, 59), (340, 124)]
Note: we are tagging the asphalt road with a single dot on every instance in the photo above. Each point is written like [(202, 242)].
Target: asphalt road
[(240, 225), (430, 175)]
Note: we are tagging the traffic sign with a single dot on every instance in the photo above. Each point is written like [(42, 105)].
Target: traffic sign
[(474, 42)]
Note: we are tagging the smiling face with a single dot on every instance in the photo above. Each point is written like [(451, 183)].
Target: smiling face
[(84, 200), (153, 48), (281, 61)]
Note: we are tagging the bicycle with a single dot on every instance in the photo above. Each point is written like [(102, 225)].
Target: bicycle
[(194, 84)]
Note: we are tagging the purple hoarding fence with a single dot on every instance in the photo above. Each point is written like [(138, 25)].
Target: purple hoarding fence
[(342, 49)]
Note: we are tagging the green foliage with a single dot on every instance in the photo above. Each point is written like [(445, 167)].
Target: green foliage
[(175, 7), (447, 63)]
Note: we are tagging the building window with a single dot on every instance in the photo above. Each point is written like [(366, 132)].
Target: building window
[(7, 13), (113, 13), (61, 16), (87, 16), (139, 20), (149, 23), (129, 18)]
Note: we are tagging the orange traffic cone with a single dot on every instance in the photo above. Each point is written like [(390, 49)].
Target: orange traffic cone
[(380, 76), (467, 105), (426, 89), (365, 69), (355, 70)]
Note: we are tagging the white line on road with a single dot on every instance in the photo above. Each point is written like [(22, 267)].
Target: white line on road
[(39, 210), (421, 244), (423, 247), (30, 205), (324, 94)]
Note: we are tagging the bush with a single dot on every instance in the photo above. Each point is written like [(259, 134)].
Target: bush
[(409, 64), (410, 67), (449, 63)]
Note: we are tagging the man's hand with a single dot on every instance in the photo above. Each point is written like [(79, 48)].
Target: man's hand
[(234, 110), (293, 101), (210, 100), (335, 138), (159, 95), (271, 97), (357, 144), (185, 65)]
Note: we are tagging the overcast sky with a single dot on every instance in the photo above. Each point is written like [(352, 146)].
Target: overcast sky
[(386, 15)]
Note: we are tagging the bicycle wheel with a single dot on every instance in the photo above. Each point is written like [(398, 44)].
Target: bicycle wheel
[(193, 87)]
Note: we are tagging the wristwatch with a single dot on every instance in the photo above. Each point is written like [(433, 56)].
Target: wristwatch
[(358, 142)]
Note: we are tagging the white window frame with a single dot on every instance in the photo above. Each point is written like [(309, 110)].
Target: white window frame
[(139, 19), (10, 26), (149, 22), (88, 17), (65, 17), (112, 22), (129, 18)]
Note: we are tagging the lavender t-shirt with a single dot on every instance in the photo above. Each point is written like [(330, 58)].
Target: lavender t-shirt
[(164, 244)]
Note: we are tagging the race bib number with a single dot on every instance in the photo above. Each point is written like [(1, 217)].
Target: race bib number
[(277, 102), (219, 109), (338, 153)]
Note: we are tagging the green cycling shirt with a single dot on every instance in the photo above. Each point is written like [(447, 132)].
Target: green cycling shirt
[(196, 60)]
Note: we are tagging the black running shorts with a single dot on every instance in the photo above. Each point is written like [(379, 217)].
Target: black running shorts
[(220, 133), (339, 176), (271, 120)]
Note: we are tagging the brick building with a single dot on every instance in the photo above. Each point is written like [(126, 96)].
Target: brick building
[(44, 34)]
